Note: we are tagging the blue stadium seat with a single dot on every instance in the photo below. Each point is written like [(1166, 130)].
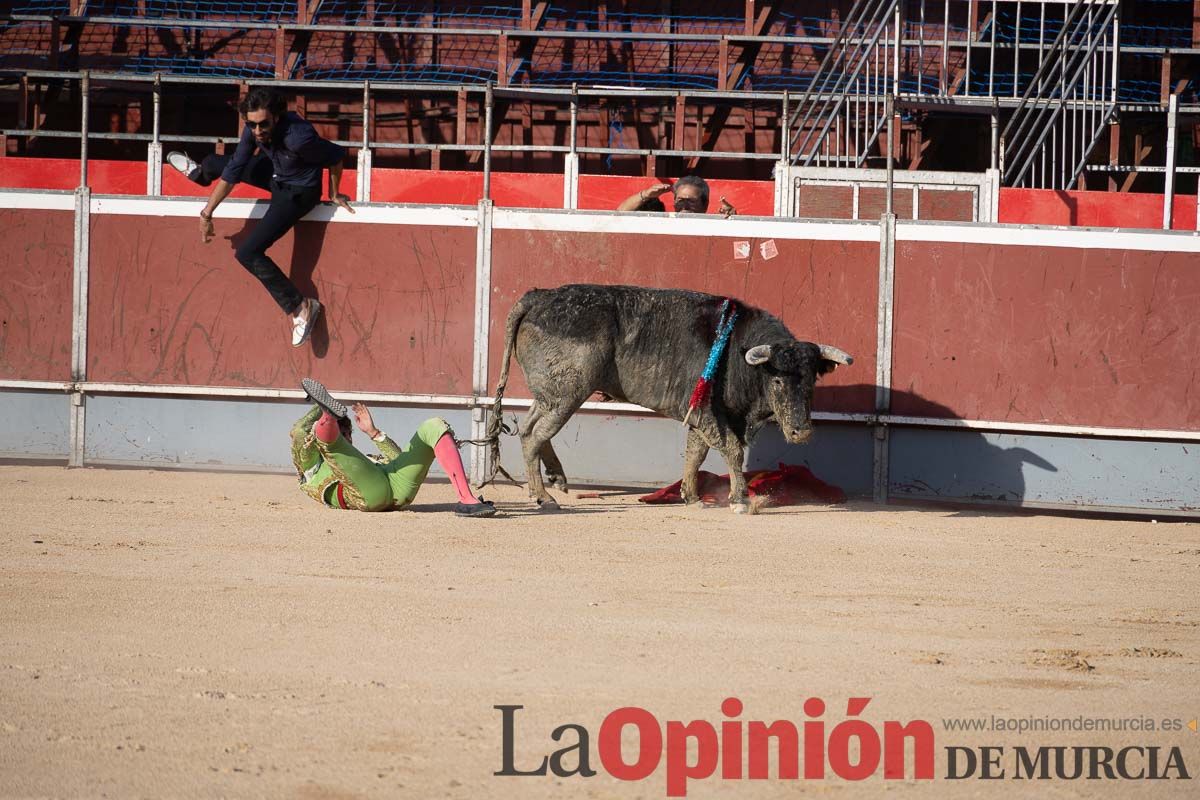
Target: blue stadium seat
[(652, 80), (58, 8), (407, 73), (198, 66), (420, 13)]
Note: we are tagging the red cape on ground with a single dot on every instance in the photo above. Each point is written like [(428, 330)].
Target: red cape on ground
[(786, 486)]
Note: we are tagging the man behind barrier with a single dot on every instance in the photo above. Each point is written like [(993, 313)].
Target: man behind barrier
[(690, 194), (332, 471)]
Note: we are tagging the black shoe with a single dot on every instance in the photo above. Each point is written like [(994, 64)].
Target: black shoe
[(484, 508), (320, 395)]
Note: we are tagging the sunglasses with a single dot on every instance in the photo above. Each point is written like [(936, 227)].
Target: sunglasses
[(266, 123)]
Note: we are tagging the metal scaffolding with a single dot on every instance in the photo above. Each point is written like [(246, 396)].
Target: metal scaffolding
[(1069, 102)]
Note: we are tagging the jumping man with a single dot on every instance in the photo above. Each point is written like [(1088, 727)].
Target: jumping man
[(280, 152)]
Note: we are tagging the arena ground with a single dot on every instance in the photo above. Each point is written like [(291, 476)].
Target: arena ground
[(201, 635)]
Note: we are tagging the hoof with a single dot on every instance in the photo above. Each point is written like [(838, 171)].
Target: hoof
[(741, 508), (548, 505), (559, 482)]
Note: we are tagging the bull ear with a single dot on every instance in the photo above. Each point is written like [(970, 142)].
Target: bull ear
[(831, 353), (758, 354)]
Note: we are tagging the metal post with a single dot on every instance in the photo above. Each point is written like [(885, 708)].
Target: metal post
[(84, 89), (1169, 194), (1017, 54), (921, 52), (365, 158), (571, 160), (483, 315), (944, 78), (992, 55), (487, 143), (970, 42), (896, 52), (784, 139), (890, 109), (883, 346), (1116, 55), (995, 133), (154, 155), (79, 324), (1041, 43)]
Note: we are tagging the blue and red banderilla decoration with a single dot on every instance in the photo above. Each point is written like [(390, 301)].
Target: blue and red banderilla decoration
[(703, 390)]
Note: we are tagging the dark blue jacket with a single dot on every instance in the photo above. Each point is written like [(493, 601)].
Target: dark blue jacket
[(297, 153)]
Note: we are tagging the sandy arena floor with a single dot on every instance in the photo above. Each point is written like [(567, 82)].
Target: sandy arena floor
[(205, 635)]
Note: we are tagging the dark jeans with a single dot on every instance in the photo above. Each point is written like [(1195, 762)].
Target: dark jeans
[(288, 204)]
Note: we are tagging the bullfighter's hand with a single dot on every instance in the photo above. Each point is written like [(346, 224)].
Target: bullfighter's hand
[(362, 418), (342, 201), (727, 210)]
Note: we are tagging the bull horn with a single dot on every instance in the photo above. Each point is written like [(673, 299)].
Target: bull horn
[(831, 353), (758, 354)]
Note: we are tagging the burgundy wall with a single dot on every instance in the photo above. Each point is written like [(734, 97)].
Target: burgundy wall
[(166, 309), (1047, 334), (823, 290), (1091, 337), (35, 294)]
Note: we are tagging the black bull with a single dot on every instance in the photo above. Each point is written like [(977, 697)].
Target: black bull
[(649, 346)]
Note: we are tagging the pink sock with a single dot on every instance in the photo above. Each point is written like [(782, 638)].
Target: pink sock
[(326, 428), (451, 463)]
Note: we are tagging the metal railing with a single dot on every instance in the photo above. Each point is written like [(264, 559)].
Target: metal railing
[(840, 116), (1046, 143)]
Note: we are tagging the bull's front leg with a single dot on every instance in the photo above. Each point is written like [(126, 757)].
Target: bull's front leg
[(734, 452), (693, 456)]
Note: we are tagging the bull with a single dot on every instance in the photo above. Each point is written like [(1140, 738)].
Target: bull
[(648, 346)]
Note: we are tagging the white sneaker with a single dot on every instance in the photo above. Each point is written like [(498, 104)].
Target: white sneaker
[(302, 327), (182, 162)]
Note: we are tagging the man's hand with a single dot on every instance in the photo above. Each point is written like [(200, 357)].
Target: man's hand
[(206, 228), (657, 190), (727, 210), (341, 201), (362, 418)]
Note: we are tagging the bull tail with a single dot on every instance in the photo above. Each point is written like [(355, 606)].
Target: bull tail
[(495, 424)]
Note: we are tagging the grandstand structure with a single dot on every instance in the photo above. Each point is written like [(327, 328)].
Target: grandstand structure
[(1089, 94)]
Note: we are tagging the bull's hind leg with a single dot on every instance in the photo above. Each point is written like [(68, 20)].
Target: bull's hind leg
[(555, 475), (539, 428)]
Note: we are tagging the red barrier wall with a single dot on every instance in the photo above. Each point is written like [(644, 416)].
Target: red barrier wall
[(601, 192), (1094, 209), (517, 190), (822, 290), (509, 189), (1047, 334), (109, 177), (167, 309), (605, 193), (35, 294)]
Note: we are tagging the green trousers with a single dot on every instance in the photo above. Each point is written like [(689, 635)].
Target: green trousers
[(339, 475)]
